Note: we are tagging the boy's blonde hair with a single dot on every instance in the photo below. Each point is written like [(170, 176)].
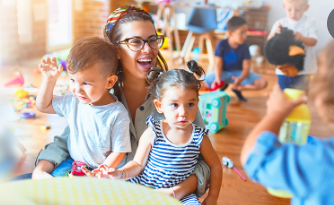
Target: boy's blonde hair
[(303, 1), (322, 86)]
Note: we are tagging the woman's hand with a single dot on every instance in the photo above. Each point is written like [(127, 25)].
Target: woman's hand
[(167, 191), (210, 201), (278, 104), (49, 68)]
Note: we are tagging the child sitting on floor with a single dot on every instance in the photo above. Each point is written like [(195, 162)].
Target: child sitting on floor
[(232, 62), (99, 123), (169, 149), (303, 170)]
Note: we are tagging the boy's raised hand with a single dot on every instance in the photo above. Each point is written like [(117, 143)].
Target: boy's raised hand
[(278, 104), (49, 68)]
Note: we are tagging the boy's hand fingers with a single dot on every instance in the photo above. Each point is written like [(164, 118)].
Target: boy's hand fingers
[(86, 171), (48, 60), (60, 68)]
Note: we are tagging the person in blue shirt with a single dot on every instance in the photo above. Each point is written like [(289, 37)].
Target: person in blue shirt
[(306, 171), (232, 62)]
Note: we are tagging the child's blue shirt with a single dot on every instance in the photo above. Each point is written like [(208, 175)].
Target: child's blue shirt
[(305, 171), (233, 57)]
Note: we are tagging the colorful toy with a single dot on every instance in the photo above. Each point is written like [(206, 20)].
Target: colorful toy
[(21, 94), (76, 168), (285, 52), (217, 85), (295, 129), (28, 115), (212, 107), (45, 127), (229, 163), (18, 79)]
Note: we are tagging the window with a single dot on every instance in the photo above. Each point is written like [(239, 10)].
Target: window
[(59, 24), (24, 20)]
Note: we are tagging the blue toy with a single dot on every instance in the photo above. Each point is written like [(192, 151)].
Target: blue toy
[(212, 106)]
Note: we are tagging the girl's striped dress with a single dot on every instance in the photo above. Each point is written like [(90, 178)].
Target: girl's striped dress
[(168, 163)]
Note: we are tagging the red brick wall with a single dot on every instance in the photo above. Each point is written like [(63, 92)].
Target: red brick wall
[(88, 22), (8, 36), (91, 20)]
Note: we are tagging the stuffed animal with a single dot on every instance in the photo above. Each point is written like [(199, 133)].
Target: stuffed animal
[(285, 52)]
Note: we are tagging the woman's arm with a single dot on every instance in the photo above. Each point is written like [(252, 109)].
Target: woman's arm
[(43, 170), (216, 175), (54, 153)]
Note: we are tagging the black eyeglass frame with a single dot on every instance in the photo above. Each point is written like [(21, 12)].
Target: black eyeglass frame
[(126, 42)]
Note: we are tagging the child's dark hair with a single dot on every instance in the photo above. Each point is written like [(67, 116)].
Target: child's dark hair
[(235, 22), (160, 81), (90, 50)]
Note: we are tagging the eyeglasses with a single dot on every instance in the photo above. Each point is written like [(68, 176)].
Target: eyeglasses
[(137, 43)]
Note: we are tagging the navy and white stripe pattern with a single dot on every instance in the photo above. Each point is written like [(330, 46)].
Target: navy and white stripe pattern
[(170, 164)]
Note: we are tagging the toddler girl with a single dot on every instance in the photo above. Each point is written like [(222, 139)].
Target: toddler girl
[(169, 149)]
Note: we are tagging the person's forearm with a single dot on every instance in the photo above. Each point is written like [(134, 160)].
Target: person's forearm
[(114, 159), (215, 180), (271, 122), (43, 169), (45, 95), (218, 72), (309, 41), (245, 70), (186, 187), (132, 169)]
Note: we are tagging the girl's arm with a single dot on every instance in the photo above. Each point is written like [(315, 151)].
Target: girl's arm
[(137, 165), (278, 108), (216, 176), (45, 94)]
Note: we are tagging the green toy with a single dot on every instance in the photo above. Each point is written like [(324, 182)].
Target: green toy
[(212, 106)]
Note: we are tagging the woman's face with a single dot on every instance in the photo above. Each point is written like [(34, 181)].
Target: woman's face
[(137, 63)]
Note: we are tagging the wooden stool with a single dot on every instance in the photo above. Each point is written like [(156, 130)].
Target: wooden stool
[(168, 13)]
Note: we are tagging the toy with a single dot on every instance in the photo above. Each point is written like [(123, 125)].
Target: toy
[(285, 52), (76, 168), (17, 80), (162, 1), (229, 163), (28, 115), (212, 107), (45, 127), (21, 93), (217, 85)]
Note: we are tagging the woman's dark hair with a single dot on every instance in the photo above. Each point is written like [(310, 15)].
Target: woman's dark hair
[(116, 35), (160, 81)]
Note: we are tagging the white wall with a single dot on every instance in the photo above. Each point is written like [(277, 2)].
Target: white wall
[(318, 10)]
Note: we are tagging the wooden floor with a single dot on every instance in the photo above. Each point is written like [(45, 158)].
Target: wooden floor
[(242, 118)]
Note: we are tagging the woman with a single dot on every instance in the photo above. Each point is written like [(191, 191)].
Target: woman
[(132, 31)]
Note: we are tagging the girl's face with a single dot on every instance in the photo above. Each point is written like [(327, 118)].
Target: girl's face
[(137, 63), (179, 107)]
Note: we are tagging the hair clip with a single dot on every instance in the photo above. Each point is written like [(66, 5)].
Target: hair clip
[(160, 74), (191, 72)]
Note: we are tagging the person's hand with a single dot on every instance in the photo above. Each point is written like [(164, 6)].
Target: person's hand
[(38, 174), (49, 68), (278, 29), (298, 36), (167, 191), (217, 81), (278, 104), (210, 200), (237, 82)]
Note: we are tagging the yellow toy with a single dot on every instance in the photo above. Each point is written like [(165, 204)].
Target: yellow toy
[(45, 127), (21, 93)]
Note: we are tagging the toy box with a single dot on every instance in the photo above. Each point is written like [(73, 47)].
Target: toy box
[(212, 106)]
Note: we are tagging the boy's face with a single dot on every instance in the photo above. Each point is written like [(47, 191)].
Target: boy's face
[(239, 36), (295, 9), (90, 86)]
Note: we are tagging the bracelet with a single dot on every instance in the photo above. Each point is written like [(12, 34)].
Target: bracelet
[(122, 177), (173, 193)]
